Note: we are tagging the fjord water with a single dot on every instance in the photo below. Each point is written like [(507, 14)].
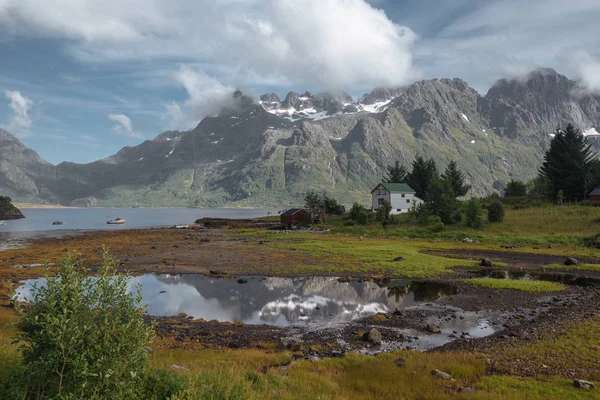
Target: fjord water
[(38, 221), (274, 300)]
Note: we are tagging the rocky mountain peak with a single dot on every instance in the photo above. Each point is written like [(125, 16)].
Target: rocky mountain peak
[(270, 98), (380, 94), (544, 82)]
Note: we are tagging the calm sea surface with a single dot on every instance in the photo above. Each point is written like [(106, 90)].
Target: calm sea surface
[(38, 221)]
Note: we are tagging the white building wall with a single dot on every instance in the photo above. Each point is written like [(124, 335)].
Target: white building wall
[(401, 202), (379, 193)]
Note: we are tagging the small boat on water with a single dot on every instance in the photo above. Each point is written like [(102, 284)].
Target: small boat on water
[(3, 223), (58, 223), (116, 221)]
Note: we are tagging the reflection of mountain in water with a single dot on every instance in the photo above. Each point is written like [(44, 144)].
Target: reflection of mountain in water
[(283, 301)]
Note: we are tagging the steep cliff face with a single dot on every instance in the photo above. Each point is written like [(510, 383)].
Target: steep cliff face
[(273, 151)]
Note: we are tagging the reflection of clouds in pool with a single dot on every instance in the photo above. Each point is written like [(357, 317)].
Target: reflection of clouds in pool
[(181, 298)]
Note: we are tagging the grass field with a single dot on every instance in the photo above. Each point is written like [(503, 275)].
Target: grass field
[(543, 226)]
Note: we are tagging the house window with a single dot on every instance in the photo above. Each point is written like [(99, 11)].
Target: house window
[(408, 201), (399, 210), (380, 201), (403, 195)]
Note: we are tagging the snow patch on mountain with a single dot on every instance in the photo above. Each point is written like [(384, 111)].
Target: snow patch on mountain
[(465, 118), (377, 107)]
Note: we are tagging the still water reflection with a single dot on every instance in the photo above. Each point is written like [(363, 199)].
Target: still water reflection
[(277, 301)]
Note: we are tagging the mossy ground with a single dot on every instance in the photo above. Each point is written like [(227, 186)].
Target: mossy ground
[(578, 267), (516, 284)]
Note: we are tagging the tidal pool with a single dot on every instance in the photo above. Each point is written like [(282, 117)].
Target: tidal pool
[(274, 300)]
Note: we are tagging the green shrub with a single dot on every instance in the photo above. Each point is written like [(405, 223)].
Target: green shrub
[(360, 214), (383, 212), (161, 384), (473, 213), (435, 224), (496, 211), (420, 214), (458, 216), (84, 337), (515, 189)]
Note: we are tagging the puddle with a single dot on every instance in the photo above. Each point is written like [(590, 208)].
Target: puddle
[(275, 301), (567, 279)]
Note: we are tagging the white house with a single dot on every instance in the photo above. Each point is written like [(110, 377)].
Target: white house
[(401, 196)]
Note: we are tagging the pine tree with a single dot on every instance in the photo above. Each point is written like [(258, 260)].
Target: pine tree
[(422, 174), (441, 201), (457, 179), (568, 164), (396, 173)]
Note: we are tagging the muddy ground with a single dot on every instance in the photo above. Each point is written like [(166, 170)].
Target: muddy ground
[(220, 250)]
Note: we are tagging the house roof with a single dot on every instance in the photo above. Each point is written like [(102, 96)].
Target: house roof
[(396, 187), (595, 192), (291, 212)]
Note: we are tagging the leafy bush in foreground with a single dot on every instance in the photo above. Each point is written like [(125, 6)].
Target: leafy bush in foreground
[(83, 337)]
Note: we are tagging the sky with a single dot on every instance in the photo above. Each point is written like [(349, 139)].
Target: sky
[(80, 79)]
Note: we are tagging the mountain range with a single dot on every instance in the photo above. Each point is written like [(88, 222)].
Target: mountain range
[(271, 151)]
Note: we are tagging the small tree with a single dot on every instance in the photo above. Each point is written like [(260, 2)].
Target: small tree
[(457, 179), (515, 189), (396, 173), (359, 214), (473, 214), (496, 211), (314, 204), (332, 206), (383, 212), (84, 337)]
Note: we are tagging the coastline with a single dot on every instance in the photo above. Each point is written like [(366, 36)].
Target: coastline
[(34, 205)]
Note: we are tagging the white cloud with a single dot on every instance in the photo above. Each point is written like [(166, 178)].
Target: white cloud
[(206, 97), (324, 42), (505, 38), (124, 126), (588, 68), (19, 122)]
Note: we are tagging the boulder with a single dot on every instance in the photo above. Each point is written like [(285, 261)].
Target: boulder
[(373, 336), (571, 261), (581, 384), (397, 259), (467, 240), (442, 375), (433, 328), (486, 263)]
